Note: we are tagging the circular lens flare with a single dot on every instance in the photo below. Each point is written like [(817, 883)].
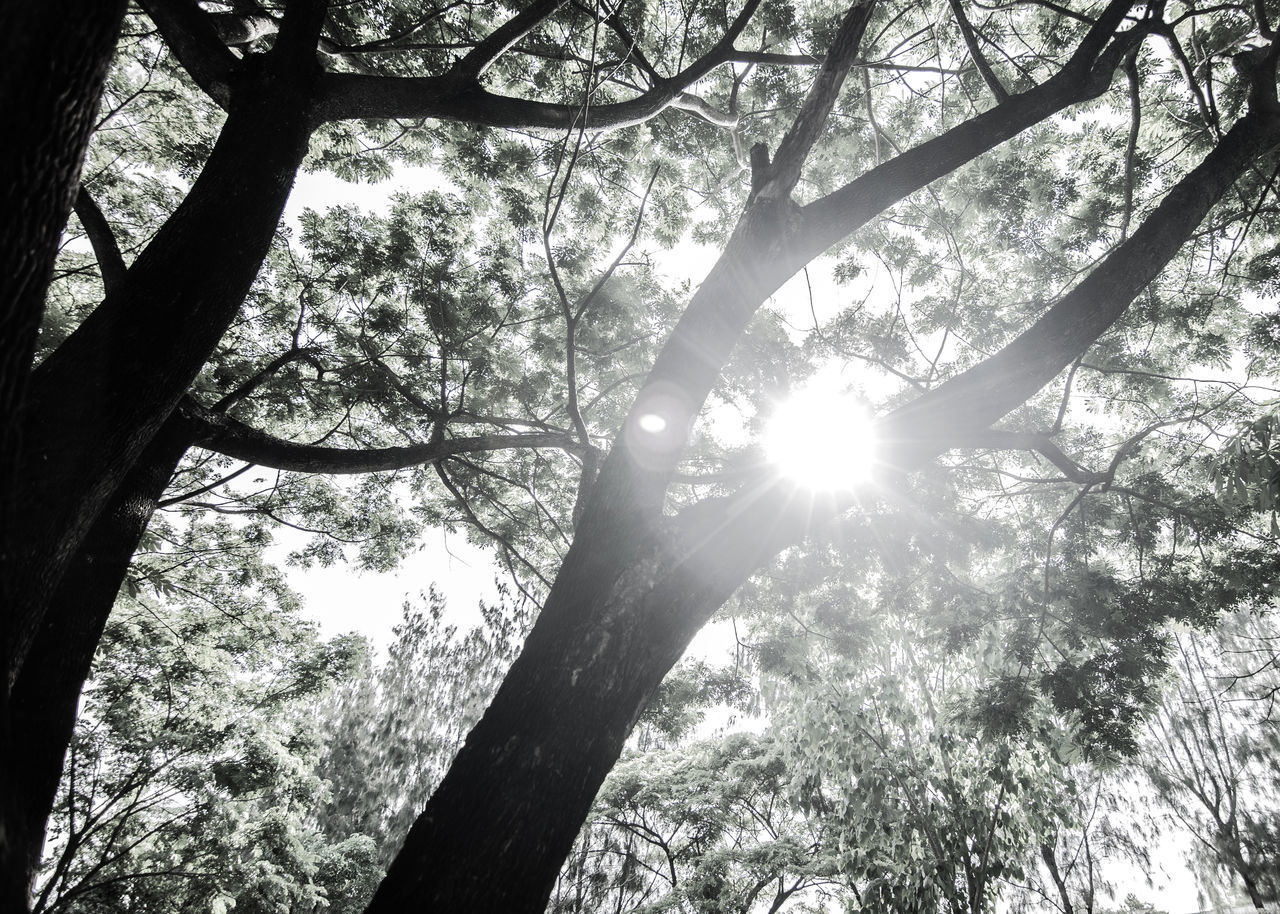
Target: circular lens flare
[(822, 439)]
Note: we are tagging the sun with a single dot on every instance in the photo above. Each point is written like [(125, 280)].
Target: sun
[(823, 438)]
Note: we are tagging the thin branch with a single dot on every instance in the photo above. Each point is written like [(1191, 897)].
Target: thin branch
[(261, 376), (105, 248), (1131, 149), (502, 39), (975, 52), (770, 58), (209, 487)]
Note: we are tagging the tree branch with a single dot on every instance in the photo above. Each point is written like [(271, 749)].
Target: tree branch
[(768, 247), (481, 57), (178, 298), (697, 106), (348, 95), (260, 377), (1131, 147), (983, 394), (734, 535), (975, 52), (771, 58), (1086, 75), (193, 37), (794, 148), (105, 249), (232, 438), (1043, 445)]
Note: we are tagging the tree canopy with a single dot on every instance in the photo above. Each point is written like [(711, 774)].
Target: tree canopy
[(1032, 240)]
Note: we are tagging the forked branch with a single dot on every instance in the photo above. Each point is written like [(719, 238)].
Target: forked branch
[(349, 95)]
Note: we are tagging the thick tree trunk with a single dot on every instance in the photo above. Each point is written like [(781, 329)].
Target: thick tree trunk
[(46, 694), (91, 409), (495, 833), (54, 57), (96, 402)]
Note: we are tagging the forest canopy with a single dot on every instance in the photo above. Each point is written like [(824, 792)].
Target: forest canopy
[(929, 348)]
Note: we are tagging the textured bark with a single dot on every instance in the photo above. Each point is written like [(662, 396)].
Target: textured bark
[(46, 694), (495, 833), (193, 37), (54, 56)]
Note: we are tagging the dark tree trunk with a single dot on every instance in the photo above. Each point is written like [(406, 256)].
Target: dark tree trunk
[(96, 402), (92, 408), (46, 693), (54, 57)]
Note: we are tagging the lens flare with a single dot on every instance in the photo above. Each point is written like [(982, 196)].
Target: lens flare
[(652, 423)]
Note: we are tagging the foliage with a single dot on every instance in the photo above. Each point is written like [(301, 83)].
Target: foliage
[(706, 827), (391, 731), (191, 775), (1212, 755)]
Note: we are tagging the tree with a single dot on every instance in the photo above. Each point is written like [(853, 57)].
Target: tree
[(397, 727), (706, 827), (1211, 757), (100, 431), (191, 774), (929, 813)]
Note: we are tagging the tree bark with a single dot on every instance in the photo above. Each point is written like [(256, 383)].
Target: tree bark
[(47, 692), (54, 57), (91, 409)]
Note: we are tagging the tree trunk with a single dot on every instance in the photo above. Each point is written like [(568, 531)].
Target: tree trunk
[(494, 834), (47, 692), (96, 402), (91, 409), (54, 57)]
